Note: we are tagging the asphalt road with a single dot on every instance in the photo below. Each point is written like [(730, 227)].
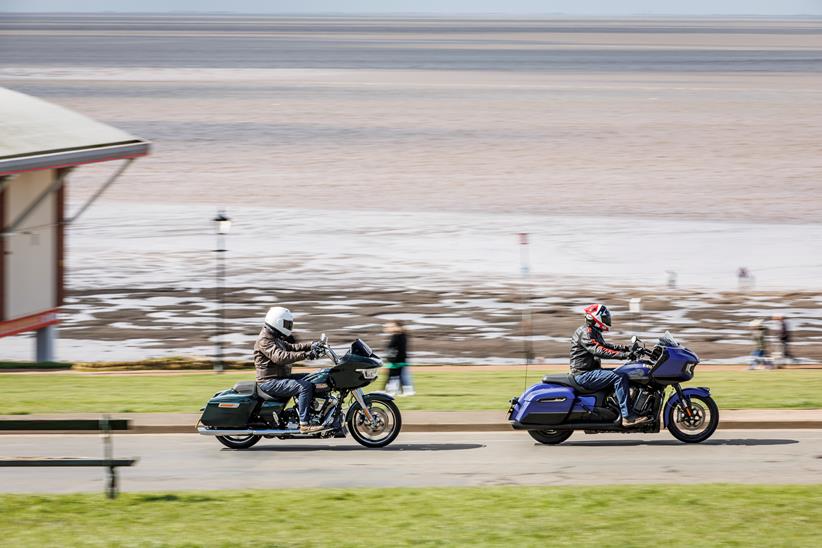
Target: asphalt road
[(186, 461)]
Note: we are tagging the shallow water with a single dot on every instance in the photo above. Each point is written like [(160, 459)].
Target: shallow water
[(155, 246)]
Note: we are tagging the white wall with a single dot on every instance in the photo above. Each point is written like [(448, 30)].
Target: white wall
[(30, 261)]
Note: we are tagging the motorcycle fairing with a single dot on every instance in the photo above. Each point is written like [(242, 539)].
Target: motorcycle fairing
[(675, 365)]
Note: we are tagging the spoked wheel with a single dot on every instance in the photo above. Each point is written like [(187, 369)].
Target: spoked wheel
[(696, 426), (550, 437), (239, 442), (382, 431)]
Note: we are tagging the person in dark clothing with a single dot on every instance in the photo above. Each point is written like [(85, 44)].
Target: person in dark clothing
[(784, 335), (396, 357), (588, 348), (274, 354)]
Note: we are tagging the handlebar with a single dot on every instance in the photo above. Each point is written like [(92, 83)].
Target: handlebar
[(327, 350)]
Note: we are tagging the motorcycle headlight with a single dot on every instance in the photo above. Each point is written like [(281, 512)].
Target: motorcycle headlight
[(370, 373)]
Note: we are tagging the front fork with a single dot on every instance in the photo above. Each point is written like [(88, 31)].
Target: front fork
[(684, 403), (358, 396)]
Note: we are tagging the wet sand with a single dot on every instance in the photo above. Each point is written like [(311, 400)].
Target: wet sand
[(481, 326)]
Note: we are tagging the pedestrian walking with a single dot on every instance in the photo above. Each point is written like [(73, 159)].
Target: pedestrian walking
[(396, 355), (784, 334), (759, 356)]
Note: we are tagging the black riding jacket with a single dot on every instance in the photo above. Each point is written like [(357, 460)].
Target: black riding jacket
[(588, 347)]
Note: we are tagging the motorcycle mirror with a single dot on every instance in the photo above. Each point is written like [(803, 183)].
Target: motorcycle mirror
[(634, 339), (323, 338)]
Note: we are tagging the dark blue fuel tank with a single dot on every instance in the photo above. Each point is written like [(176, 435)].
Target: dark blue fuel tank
[(638, 372)]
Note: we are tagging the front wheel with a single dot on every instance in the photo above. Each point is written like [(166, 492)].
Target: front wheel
[(382, 430), (239, 442), (699, 425), (550, 437)]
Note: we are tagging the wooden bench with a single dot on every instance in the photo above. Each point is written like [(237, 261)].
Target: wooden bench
[(104, 425)]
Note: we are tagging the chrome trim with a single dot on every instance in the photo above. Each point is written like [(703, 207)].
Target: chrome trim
[(551, 400), (358, 395), (258, 432)]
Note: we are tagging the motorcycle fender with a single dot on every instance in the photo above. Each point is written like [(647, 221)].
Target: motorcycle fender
[(371, 396), (674, 399), (379, 395)]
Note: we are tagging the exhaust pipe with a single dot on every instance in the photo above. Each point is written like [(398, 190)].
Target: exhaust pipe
[(247, 432)]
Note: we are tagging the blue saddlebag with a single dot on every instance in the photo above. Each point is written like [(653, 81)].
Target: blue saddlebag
[(544, 404)]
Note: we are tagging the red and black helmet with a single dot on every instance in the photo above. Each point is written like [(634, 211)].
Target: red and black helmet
[(598, 315)]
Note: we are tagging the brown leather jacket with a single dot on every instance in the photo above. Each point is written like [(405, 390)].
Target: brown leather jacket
[(273, 355)]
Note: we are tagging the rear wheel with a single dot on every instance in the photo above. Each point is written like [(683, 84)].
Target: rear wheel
[(696, 426), (550, 437), (239, 442)]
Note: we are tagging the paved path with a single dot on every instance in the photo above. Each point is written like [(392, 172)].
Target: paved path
[(180, 461)]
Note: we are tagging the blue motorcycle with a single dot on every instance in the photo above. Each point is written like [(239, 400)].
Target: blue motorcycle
[(552, 410)]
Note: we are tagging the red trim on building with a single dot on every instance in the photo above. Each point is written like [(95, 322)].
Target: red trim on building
[(29, 323)]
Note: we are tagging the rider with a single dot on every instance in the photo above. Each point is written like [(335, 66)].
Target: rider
[(273, 355), (588, 347)]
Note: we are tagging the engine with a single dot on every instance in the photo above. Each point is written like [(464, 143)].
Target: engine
[(644, 400)]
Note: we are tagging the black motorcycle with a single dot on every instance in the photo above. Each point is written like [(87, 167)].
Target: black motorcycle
[(240, 416)]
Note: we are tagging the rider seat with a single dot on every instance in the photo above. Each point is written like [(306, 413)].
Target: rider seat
[(251, 387), (567, 379)]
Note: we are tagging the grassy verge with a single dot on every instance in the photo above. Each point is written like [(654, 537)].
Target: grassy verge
[(703, 515), (437, 391)]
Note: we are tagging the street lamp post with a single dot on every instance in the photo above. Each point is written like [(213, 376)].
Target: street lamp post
[(525, 269), (223, 227)]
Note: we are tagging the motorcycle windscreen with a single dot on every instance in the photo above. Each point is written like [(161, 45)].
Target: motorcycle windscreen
[(544, 404), (359, 348)]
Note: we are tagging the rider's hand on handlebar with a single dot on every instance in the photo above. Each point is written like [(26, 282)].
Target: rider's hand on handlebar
[(317, 350)]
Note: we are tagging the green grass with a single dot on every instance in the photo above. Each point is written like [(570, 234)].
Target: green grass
[(437, 391), (674, 515)]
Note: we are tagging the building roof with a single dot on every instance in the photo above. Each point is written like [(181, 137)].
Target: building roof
[(36, 134)]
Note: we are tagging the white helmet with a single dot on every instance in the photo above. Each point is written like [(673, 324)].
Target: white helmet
[(280, 319)]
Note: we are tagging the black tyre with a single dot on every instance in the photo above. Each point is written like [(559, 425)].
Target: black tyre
[(699, 426), (385, 429), (239, 442), (550, 437)]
